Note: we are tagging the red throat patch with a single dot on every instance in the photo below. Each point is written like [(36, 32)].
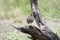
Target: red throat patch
[(31, 14)]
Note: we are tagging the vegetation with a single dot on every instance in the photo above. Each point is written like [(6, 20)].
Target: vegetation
[(18, 10)]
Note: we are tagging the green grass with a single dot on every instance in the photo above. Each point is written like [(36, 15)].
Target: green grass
[(7, 32), (48, 8), (17, 36), (14, 36), (19, 9)]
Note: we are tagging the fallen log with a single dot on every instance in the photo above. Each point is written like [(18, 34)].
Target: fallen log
[(33, 31), (37, 34)]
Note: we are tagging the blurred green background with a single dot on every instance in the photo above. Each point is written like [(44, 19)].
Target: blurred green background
[(15, 8), (18, 10)]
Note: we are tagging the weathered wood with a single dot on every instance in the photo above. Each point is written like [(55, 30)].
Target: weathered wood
[(38, 34), (36, 12)]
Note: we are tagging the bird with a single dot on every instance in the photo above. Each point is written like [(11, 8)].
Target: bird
[(30, 19)]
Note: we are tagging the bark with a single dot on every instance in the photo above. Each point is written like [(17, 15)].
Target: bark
[(37, 34)]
